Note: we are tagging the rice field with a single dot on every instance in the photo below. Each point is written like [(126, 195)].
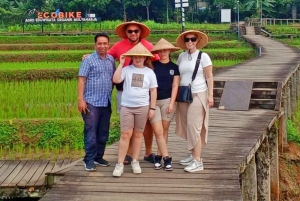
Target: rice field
[(40, 99), (37, 65)]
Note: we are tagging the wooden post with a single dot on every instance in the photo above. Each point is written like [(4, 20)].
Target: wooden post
[(298, 82), (282, 136), (288, 98), (293, 94), (249, 182), (263, 171), (283, 118), (274, 168)]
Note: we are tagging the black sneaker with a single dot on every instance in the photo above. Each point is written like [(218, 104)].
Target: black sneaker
[(150, 158), (101, 162), (89, 166), (168, 163), (157, 163)]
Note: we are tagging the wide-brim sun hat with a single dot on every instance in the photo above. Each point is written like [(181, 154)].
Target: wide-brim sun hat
[(163, 44), (138, 50), (202, 39), (120, 29)]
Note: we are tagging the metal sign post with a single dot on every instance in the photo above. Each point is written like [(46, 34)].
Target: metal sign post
[(182, 4)]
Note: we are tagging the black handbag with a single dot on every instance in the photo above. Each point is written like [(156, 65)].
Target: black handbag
[(184, 93)]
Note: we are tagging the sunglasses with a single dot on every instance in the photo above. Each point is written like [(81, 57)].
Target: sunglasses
[(193, 39), (131, 31)]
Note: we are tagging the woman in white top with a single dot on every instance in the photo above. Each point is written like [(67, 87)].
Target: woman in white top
[(192, 118), (139, 87)]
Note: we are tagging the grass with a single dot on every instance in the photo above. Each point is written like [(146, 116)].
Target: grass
[(293, 127)]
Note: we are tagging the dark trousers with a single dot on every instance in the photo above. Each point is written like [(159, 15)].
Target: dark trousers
[(96, 131)]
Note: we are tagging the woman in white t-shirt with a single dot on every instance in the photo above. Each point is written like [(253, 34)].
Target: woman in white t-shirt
[(139, 87), (192, 118)]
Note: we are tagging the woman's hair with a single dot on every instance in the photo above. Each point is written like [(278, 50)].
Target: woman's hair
[(148, 63)]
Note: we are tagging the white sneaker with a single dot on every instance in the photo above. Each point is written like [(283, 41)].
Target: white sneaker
[(194, 166), (119, 169), (135, 165), (187, 160)]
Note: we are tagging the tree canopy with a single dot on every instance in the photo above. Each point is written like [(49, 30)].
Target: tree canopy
[(14, 11)]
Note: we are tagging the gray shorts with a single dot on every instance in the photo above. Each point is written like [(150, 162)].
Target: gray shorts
[(161, 111), (134, 117)]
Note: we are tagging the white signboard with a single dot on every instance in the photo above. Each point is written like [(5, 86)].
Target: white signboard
[(225, 15), (177, 5), (178, 1)]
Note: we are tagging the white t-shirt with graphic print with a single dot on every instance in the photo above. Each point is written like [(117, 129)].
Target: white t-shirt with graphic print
[(137, 83), (186, 69)]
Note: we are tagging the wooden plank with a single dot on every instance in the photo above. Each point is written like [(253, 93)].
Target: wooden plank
[(29, 174), (11, 165), (85, 189), (23, 172), (37, 174), (58, 164), (3, 168), (1, 163), (66, 162), (41, 179), (14, 174), (106, 196)]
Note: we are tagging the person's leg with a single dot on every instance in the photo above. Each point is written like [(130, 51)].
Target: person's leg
[(181, 122), (148, 138), (128, 157), (140, 119), (90, 128), (124, 144), (196, 152), (195, 126), (159, 136), (165, 118), (103, 134), (165, 125)]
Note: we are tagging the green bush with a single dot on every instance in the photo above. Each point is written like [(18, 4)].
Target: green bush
[(48, 133)]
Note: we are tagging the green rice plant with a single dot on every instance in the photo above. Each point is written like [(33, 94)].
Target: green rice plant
[(111, 25), (38, 65)]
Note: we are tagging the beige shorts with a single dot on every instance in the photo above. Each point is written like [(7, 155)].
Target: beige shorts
[(161, 111), (134, 117)]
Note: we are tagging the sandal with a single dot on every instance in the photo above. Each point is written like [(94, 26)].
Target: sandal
[(150, 158), (127, 160)]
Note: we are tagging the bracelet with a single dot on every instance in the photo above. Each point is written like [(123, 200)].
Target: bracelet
[(152, 108)]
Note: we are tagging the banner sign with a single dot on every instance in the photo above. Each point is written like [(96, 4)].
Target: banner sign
[(57, 16)]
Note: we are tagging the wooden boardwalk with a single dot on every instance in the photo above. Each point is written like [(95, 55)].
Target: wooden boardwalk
[(26, 175), (233, 137)]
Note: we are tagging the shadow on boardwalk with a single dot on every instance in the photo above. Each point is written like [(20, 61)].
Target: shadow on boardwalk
[(233, 136)]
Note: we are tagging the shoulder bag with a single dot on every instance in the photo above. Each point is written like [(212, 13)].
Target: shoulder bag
[(184, 93)]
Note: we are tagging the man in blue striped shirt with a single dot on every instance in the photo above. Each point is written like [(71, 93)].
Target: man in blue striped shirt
[(94, 101)]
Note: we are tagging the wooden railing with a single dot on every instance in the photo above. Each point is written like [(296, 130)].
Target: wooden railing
[(271, 21)]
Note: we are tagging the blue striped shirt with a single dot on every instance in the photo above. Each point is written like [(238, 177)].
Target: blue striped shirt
[(98, 73)]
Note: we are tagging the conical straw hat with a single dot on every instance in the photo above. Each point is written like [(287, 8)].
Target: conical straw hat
[(138, 50), (202, 39), (120, 29), (163, 44)]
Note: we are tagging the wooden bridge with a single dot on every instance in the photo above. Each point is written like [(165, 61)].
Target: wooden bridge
[(241, 157)]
